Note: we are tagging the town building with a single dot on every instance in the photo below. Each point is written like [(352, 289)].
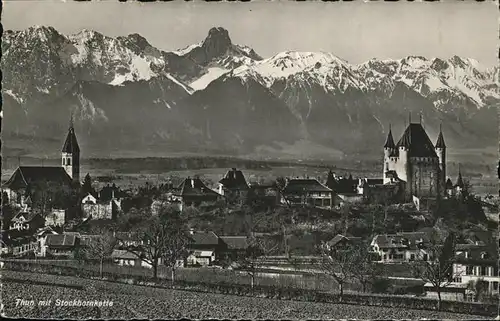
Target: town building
[(61, 245), (193, 192), (234, 247), (340, 242), (307, 192), (106, 204), (400, 247), (26, 221), (477, 261), (203, 248)]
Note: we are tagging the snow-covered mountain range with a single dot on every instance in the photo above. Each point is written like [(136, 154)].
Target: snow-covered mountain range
[(217, 96)]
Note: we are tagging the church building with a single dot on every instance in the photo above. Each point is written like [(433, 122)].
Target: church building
[(416, 162), (24, 178)]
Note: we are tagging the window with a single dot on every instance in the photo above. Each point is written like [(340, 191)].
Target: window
[(469, 270), (412, 257), (483, 271), (495, 286), (484, 255), (467, 254), (69, 161), (64, 161)]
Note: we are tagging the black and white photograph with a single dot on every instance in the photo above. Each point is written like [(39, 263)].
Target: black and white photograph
[(268, 160)]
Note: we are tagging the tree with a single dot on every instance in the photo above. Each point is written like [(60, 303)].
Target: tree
[(157, 237), (176, 242), (280, 186), (257, 247), (365, 270), (87, 185), (434, 262), (338, 263), (100, 247), (479, 288), (46, 195)]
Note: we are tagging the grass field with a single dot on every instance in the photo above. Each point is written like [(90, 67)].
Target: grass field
[(131, 301)]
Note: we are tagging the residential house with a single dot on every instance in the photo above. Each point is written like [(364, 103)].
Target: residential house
[(27, 221), (41, 238), (21, 246), (233, 186), (477, 260), (400, 247), (62, 245), (203, 248), (193, 192), (234, 247), (340, 241), (307, 192), (106, 204), (127, 239), (264, 194), (127, 258)]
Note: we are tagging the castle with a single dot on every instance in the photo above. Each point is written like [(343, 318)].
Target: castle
[(416, 162)]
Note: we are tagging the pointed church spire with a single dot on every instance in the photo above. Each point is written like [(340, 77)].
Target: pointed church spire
[(440, 140), (71, 144), (389, 143)]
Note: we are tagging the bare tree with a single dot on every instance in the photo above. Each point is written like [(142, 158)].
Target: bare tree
[(338, 263), (365, 269), (257, 248), (158, 237), (434, 262), (100, 247)]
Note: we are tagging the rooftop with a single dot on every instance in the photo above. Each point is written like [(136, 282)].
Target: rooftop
[(418, 143)]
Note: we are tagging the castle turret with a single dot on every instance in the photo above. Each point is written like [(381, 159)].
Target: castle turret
[(441, 153), (389, 149), (70, 156)]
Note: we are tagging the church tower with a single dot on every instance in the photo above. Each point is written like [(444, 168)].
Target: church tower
[(70, 156), (441, 153)]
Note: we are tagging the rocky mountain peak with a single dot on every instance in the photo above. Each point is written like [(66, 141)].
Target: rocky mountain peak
[(217, 42)]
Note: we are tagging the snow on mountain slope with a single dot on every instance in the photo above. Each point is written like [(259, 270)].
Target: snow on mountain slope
[(454, 77), (212, 74), (322, 68)]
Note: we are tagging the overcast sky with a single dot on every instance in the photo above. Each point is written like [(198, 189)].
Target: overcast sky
[(354, 31)]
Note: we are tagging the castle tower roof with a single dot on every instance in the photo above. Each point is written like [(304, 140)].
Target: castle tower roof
[(440, 140), (71, 144), (389, 143), (417, 141)]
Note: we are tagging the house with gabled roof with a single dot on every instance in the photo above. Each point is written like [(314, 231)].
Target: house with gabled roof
[(62, 245), (307, 192), (417, 162), (339, 241), (401, 247), (105, 204), (233, 246), (204, 247), (27, 221), (193, 192)]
